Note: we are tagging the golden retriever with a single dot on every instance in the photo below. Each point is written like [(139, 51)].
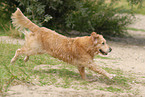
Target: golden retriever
[(78, 51)]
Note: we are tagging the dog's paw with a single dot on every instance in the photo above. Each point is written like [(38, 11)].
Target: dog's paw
[(12, 62), (112, 76), (26, 58)]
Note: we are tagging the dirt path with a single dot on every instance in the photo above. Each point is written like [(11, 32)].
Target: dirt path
[(129, 55)]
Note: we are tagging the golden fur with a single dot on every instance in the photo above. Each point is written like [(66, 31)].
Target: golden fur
[(78, 51)]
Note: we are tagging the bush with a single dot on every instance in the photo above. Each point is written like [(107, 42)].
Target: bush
[(42, 11), (99, 17), (79, 15)]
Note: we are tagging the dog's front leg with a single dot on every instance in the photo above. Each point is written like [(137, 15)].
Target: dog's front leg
[(99, 70), (82, 72)]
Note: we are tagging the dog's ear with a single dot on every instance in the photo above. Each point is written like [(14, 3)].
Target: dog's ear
[(95, 37), (93, 33)]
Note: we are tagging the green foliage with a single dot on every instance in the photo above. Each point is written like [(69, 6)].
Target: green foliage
[(34, 10), (41, 12), (135, 2), (100, 17), (80, 15)]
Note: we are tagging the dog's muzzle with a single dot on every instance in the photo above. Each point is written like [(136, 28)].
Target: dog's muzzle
[(102, 52), (110, 49), (105, 53)]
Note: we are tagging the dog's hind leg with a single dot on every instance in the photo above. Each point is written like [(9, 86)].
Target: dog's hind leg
[(82, 72), (26, 58), (18, 52), (28, 51)]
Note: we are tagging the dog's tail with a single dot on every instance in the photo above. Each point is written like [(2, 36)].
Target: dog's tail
[(21, 22)]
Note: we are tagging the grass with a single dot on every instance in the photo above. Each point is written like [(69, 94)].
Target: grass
[(8, 30), (134, 29), (111, 89), (143, 76), (46, 70), (102, 57), (136, 8)]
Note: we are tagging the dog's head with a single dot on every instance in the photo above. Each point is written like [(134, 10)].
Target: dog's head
[(100, 44)]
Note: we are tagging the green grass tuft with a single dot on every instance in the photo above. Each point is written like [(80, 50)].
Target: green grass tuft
[(134, 29), (112, 89), (101, 57)]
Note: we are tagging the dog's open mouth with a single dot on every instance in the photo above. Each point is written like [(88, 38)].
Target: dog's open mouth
[(102, 52)]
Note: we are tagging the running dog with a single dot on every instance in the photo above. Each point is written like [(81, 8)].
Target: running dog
[(78, 51)]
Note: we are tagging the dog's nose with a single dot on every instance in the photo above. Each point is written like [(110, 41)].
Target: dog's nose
[(110, 49)]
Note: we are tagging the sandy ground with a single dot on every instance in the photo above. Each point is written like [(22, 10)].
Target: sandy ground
[(129, 55)]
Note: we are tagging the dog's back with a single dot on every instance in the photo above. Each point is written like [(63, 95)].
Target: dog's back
[(64, 48)]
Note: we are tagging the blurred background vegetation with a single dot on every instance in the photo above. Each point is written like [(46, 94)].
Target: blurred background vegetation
[(79, 17)]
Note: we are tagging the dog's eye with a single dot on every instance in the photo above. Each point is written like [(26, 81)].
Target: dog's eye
[(103, 43)]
